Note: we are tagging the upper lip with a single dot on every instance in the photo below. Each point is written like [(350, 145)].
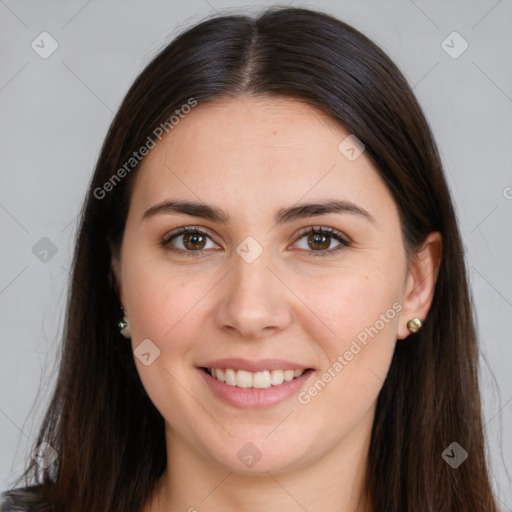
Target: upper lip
[(253, 365)]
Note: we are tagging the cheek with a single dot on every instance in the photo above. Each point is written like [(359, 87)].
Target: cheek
[(350, 304), (357, 334), (165, 303), (162, 307)]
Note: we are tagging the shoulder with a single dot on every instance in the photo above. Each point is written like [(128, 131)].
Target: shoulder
[(20, 499)]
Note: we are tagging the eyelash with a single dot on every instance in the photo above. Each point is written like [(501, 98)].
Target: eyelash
[(314, 230)]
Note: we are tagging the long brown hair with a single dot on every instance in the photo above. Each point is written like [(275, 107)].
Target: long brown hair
[(108, 434)]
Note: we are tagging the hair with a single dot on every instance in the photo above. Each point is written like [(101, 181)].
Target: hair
[(108, 434)]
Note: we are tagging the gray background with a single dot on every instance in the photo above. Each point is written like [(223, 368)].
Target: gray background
[(55, 113)]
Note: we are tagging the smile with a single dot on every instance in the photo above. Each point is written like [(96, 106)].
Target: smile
[(259, 380)]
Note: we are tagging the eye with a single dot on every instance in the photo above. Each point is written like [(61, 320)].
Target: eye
[(319, 239), (193, 240)]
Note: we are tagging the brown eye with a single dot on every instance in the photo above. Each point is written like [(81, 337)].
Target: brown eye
[(194, 241), (187, 241), (318, 241)]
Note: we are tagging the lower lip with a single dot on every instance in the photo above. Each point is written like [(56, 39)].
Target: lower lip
[(255, 398)]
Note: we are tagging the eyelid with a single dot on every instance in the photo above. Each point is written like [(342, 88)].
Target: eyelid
[(185, 229), (322, 229)]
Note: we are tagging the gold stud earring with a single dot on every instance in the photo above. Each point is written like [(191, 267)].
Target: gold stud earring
[(414, 325)]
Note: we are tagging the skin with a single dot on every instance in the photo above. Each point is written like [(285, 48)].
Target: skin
[(250, 157)]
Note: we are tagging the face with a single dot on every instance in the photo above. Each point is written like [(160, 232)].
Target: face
[(255, 290)]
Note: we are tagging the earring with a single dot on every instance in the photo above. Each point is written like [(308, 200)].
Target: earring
[(124, 328), (414, 325)]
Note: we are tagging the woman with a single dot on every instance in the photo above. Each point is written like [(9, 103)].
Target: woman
[(269, 305)]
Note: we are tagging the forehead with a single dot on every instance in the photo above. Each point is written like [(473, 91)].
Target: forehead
[(245, 125), (253, 149)]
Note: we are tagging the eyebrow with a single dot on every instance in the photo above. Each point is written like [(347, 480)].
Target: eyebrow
[(288, 214)]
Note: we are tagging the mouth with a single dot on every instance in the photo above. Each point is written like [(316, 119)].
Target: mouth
[(254, 383), (258, 380)]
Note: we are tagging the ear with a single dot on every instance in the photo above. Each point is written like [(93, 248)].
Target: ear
[(421, 282), (115, 263)]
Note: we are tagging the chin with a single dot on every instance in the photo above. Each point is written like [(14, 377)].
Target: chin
[(258, 458)]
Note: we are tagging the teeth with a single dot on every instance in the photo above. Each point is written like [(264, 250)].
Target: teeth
[(289, 375), (259, 380), (230, 377), (276, 377), (243, 379)]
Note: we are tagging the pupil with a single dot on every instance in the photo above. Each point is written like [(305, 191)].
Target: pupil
[(317, 240), (193, 239)]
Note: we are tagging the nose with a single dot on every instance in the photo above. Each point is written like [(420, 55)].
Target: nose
[(254, 301)]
